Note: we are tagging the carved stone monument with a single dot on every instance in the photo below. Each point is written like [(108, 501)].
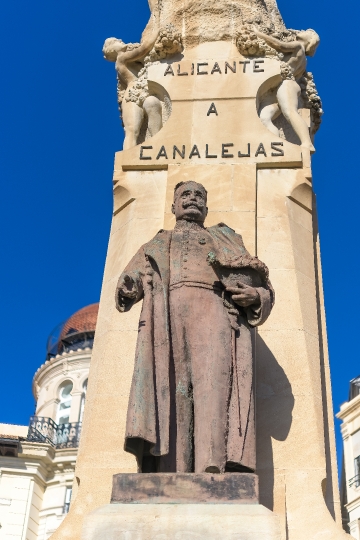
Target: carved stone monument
[(207, 416)]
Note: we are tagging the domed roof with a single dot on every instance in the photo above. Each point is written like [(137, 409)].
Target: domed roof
[(82, 321), (77, 332)]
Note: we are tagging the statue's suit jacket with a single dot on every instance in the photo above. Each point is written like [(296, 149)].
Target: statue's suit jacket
[(148, 417)]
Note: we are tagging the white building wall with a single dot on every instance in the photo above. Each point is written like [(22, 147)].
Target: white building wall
[(52, 512), (32, 491), (19, 507), (350, 430), (34, 506), (33, 485)]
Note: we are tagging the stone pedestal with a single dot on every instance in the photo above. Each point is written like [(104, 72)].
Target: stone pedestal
[(185, 488), (183, 507), (181, 522)]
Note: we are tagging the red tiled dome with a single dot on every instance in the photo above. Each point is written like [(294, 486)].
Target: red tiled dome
[(83, 320), (75, 333)]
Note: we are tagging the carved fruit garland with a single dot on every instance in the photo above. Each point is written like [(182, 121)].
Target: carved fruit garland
[(167, 44)]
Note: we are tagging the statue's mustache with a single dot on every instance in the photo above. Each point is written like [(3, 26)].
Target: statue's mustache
[(197, 205)]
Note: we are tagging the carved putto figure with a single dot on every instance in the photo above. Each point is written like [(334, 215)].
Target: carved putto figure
[(290, 47), (191, 405), (131, 60), (292, 69), (128, 65)]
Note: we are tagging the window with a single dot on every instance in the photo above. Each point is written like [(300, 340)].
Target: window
[(355, 441), (68, 493), (83, 398), (354, 388), (63, 414), (357, 471)]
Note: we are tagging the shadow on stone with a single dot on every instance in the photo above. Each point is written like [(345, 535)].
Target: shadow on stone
[(274, 405)]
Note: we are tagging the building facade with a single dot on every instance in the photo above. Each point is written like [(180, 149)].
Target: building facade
[(350, 480), (37, 461)]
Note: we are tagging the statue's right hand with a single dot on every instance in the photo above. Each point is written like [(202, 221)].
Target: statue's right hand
[(126, 292), (127, 287)]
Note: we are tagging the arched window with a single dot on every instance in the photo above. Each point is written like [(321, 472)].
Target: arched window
[(83, 398), (63, 414)]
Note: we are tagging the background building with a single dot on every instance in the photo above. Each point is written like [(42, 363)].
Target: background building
[(37, 462), (350, 479)]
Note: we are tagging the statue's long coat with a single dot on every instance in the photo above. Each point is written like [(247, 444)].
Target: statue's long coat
[(149, 403)]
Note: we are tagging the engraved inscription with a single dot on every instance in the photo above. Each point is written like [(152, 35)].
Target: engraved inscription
[(228, 66), (278, 151), (224, 150), (169, 70), (212, 110), (207, 154), (257, 68), (199, 66), (244, 65), (177, 151), (179, 73), (142, 148), (215, 68), (245, 155)]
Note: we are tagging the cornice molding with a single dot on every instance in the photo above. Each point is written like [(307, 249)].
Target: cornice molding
[(41, 462), (353, 505), (62, 363), (349, 408)]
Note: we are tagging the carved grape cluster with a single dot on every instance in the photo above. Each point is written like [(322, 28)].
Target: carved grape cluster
[(120, 92), (139, 91), (286, 72), (249, 44), (167, 44), (311, 99)]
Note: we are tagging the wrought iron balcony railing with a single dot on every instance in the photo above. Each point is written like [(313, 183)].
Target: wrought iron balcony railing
[(355, 481), (45, 430)]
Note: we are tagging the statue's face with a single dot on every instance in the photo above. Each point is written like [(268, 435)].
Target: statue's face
[(190, 202), (310, 40), (112, 47)]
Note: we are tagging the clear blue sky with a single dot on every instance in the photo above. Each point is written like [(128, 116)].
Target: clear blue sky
[(59, 129)]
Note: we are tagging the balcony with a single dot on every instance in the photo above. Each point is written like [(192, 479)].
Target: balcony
[(355, 481), (45, 430)]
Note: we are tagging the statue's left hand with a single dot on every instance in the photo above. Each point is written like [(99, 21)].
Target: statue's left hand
[(244, 295)]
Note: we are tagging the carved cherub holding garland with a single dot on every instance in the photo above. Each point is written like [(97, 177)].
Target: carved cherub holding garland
[(287, 94), (132, 91)]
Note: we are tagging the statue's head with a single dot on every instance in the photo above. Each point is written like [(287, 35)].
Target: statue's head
[(112, 47), (310, 39), (190, 201)]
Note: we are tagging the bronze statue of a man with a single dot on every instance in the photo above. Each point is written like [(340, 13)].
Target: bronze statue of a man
[(191, 406)]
